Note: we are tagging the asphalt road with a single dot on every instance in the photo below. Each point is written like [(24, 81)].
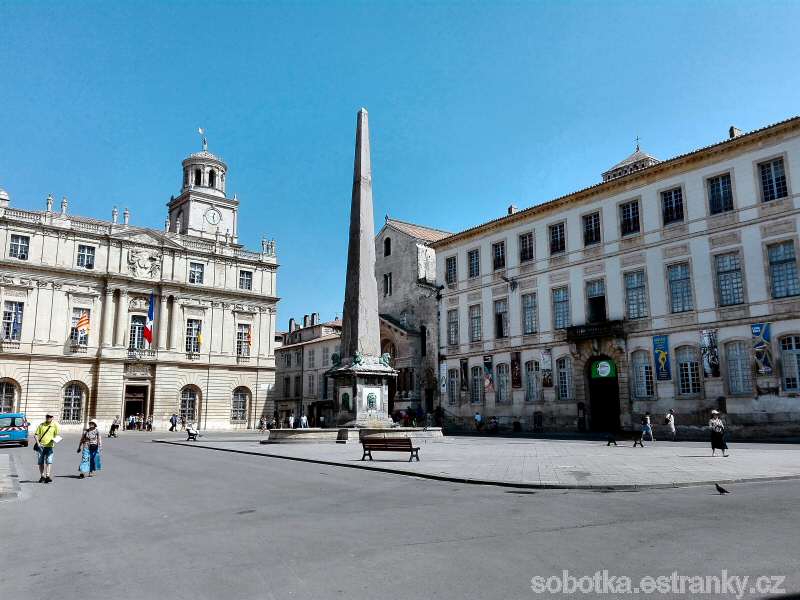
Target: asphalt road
[(166, 521)]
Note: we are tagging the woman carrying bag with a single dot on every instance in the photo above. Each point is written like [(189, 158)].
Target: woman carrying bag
[(89, 448)]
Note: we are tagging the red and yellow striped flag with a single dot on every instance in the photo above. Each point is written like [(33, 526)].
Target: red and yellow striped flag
[(83, 322)]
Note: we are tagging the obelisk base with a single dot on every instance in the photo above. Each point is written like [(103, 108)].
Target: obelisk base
[(361, 391)]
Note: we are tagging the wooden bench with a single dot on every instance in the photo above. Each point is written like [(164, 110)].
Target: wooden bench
[(191, 436), (400, 444)]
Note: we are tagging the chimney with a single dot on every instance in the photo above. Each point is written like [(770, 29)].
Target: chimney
[(291, 325), (315, 318), (734, 132), (305, 320), (512, 209)]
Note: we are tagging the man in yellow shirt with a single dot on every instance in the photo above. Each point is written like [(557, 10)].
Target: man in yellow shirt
[(45, 436)]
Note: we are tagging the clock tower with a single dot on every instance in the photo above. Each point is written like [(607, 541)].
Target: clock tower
[(202, 209)]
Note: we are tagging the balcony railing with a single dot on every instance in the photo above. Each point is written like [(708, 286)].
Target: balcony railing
[(142, 354), (6, 345), (592, 331), (242, 358), (77, 348)]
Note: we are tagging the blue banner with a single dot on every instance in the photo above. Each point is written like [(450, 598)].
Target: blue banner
[(661, 355)]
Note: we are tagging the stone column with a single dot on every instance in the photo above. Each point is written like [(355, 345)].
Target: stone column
[(122, 318), (108, 318), (162, 323), (176, 325)]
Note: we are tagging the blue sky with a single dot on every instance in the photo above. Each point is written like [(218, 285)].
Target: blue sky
[(473, 106)]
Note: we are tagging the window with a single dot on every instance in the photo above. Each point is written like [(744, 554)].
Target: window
[(287, 387), (729, 279), (596, 301), (188, 409), (532, 382), (526, 247), (558, 239), (387, 247), (239, 405), (591, 229), (298, 386), (79, 330), (499, 255), (312, 384), (245, 280), (212, 178), (198, 177), (423, 340), (476, 385), (288, 359), (474, 262), (475, 326), (783, 270), (773, 180), (193, 336), (297, 358), (196, 272), (672, 206), (561, 319), (720, 195), (564, 369), (243, 339), (452, 386), (452, 327), (136, 340), (528, 314), (19, 246), (387, 284), (680, 287), (312, 358), (790, 363), (501, 318), (7, 394), (635, 295), (688, 371), (740, 374), (326, 356), (642, 375), (503, 393), (12, 320), (450, 272), (73, 404), (629, 217), (86, 256)]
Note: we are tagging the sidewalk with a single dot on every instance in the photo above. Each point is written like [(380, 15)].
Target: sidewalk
[(543, 463)]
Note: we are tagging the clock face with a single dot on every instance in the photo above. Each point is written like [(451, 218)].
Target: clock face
[(213, 216)]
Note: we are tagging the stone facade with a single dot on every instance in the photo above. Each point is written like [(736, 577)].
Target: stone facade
[(405, 269), (698, 248), (211, 357)]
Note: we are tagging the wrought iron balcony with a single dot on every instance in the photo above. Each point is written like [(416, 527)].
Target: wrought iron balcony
[(242, 358), (590, 331), (77, 348), (6, 345), (142, 354)]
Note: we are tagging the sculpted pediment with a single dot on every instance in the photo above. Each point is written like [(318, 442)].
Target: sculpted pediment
[(146, 238)]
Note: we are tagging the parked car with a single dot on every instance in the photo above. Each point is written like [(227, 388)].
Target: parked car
[(13, 429)]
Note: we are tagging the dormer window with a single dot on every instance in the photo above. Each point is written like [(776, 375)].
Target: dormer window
[(198, 177), (212, 178)]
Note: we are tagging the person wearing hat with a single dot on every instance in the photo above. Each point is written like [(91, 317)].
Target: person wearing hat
[(45, 436), (717, 427), (89, 448)]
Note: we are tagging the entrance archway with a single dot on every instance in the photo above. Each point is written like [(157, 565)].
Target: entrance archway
[(602, 383)]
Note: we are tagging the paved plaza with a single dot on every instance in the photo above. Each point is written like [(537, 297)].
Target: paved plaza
[(164, 521), (546, 463)]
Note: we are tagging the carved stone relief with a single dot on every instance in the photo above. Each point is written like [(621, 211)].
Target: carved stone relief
[(144, 263)]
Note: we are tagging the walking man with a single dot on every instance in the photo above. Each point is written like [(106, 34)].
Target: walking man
[(173, 422), (647, 427), (45, 437), (291, 421), (478, 421), (303, 421), (669, 421)]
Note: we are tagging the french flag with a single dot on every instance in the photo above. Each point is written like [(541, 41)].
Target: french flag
[(151, 314)]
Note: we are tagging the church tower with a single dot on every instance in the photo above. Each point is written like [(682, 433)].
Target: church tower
[(202, 209)]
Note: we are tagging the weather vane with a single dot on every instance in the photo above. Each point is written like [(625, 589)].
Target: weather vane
[(202, 133)]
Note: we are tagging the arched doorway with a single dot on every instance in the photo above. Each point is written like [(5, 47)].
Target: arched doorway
[(602, 383)]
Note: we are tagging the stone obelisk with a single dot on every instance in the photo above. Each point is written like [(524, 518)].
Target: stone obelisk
[(361, 379)]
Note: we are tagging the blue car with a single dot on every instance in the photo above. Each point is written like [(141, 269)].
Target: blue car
[(13, 429)]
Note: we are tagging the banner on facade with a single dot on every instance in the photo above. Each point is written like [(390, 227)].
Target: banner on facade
[(443, 378), (710, 352), (762, 347), (661, 354), (464, 375), (603, 369), (547, 368), (516, 370), (488, 376)]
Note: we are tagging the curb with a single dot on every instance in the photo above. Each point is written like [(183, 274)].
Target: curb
[(16, 489), (508, 484)]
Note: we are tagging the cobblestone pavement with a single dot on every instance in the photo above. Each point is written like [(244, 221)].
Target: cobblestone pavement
[(543, 463)]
